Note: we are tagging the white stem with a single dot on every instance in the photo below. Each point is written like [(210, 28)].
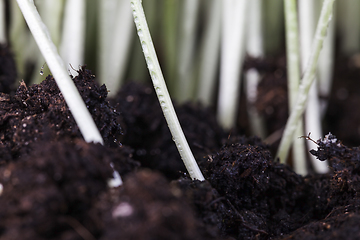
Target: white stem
[(326, 65), (232, 56), (255, 48), (292, 50), (115, 39), (210, 55), (66, 85), (312, 112), (254, 40), (185, 83), (73, 34), (293, 80), (162, 92), (307, 80)]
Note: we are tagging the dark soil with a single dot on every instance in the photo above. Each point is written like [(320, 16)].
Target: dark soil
[(7, 70), (56, 185), (146, 131)]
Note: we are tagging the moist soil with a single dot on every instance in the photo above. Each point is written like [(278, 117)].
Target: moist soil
[(55, 185)]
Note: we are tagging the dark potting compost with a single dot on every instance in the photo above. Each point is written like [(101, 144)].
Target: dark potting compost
[(55, 185), (7, 70), (146, 131)]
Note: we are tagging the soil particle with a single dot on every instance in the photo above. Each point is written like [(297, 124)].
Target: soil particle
[(39, 112), (147, 133), (49, 194)]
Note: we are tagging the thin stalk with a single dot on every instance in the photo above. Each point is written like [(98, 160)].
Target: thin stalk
[(254, 48), (308, 79), (137, 69), (210, 55), (312, 112), (293, 80), (232, 56), (162, 92), (292, 50), (66, 85), (185, 84), (115, 38), (326, 65), (72, 45)]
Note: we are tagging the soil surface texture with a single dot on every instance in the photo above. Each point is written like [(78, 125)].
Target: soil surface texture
[(55, 185)]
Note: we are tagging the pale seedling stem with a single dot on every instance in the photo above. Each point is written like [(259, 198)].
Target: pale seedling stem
[(66, 85), (307, 80), (162, 92), (293, 80)]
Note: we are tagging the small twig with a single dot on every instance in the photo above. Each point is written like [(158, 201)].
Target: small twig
[(308, 138)]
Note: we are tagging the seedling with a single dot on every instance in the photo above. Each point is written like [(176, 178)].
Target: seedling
[(307, 80), (162, 92)]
